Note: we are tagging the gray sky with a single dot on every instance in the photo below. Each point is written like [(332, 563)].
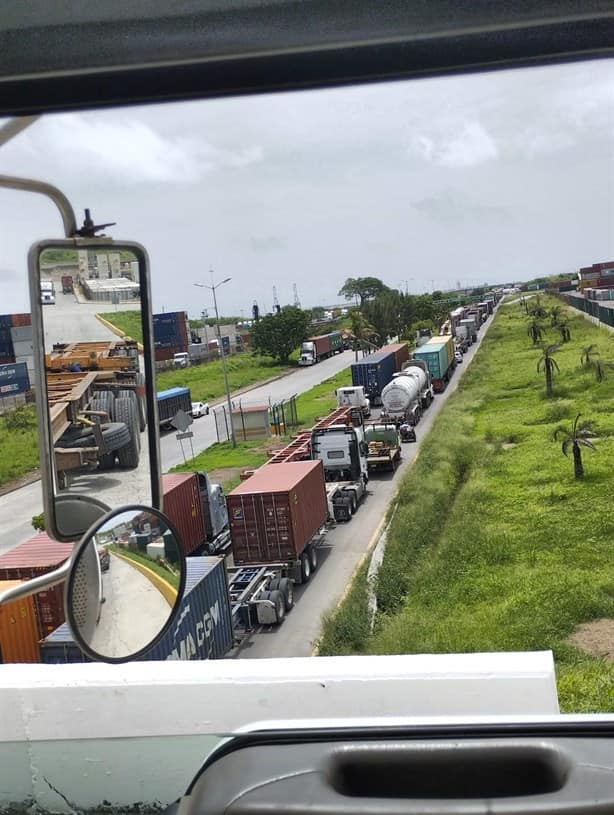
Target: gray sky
[(490, 177)]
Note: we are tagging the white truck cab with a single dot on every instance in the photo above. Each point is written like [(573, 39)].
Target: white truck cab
[(354, 396)]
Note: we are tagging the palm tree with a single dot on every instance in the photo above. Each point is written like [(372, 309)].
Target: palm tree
[(363, 332), (576, 437), (599, 369), (555, 313), (564, 329), (588, 352), (548, 365), (535, 331), (537, 310)]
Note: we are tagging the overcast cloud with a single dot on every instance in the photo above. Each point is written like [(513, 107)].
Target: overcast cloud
[(438, 182)]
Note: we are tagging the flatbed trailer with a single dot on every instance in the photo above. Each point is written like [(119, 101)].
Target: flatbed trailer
[(115, 355)]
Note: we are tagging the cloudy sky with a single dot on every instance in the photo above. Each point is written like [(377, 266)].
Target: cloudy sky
[(435, 182)]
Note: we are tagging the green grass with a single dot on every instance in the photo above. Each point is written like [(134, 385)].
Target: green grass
[(206, 381), (320, 400), (129, 322), (494, 545), (145, 560), (19, 445)]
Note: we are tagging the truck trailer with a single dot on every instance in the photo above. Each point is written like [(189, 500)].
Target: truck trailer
[(317, 348), (438, 354)]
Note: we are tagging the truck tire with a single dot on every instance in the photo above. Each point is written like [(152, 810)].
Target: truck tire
[(103, 406), (105, 398), (278, 599), (130, 411), (313, 558), (140, 381), (139, 404), (107, 462), (128, 455), (115, 435), (286, 587), (305, 568)]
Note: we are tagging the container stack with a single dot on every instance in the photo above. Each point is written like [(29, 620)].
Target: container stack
[(171, 334)]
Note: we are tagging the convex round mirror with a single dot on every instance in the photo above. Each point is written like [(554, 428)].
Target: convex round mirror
[(125, 583)]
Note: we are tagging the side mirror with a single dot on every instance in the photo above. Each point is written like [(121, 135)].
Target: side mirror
[(125, 583), (95, 379)]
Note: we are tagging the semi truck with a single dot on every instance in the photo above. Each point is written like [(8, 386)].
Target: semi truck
[(384, 445), (408, 394), (354, 396), (438, 354), (67, 284), (170, 402), (317, 348)]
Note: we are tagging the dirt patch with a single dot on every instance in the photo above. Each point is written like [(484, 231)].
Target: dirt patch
[(22, 481), (225, 474), (509, 444), (596, 638)]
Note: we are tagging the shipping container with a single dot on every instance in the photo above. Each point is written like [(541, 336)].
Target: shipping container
[(275, 513), (38, 556), (336, 341), (438, 354), (202, 630), (171, 329), (374, 372), (184, 506), (21, 333), (401, 354), (172, 400), (449, 345), (14, 379), (166, 354), (19, 634)]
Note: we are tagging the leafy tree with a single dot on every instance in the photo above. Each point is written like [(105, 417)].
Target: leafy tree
[(548, 365), (277, 335), (588, 352), (575, 437), (362, 289), (564, 330), (535, 331), (384, 314)]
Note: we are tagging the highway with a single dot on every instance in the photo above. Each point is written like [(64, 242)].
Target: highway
[(344, 548)]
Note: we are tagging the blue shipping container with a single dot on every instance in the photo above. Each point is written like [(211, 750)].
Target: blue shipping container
[(374, 372), (201, 630), (14, 379)]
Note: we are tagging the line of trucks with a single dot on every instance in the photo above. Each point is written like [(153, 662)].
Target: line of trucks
[(247, 550)]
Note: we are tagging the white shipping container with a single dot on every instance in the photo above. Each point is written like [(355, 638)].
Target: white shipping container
[(115, 264), (102, 262)]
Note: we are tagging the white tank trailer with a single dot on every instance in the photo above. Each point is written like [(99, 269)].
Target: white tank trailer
[(407, 394)]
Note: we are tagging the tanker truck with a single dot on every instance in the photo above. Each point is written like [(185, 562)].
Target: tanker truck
[(408, 394)]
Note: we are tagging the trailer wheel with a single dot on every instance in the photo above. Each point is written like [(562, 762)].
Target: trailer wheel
[(140, 380), (286, 587), (313, 558), (129, 454), (139, 404), (353, 502), (115, 435), (280, 606), (106, 462), (305, 568), (100, 405), (105, 399)]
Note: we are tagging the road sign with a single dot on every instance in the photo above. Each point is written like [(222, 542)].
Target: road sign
[(182, 420), (181, 436)]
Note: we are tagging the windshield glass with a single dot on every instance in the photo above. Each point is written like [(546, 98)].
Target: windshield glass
[(456, 231)]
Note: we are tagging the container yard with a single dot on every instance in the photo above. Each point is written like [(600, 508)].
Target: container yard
[(171, 334)]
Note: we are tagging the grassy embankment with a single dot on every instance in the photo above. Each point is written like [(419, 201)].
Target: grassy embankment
[(494, 546), (314, 403), (150, 563), (19, 443)]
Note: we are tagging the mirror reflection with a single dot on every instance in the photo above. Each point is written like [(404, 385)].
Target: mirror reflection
[(94, 369), (124, 583)]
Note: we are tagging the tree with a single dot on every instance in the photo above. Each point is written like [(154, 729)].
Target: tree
[(555, 313), (564, 330), (384, 314), (277, 335), (537, 310), (575, 437), (588, 352), (535, 331), (362, 289), (362, 331), (548, 365)]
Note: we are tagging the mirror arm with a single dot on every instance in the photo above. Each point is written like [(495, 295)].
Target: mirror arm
[(36, 584), (57, 196)]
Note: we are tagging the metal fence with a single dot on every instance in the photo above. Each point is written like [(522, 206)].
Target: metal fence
[(282, 416), (595, 308)]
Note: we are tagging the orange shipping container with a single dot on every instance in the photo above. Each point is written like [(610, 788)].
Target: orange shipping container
[(18, 629)]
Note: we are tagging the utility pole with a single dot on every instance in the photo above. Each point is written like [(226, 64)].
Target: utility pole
[(213, 288)]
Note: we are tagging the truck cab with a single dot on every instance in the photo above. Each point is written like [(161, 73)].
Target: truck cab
[(354, 397), (308, 354), (344, 453)]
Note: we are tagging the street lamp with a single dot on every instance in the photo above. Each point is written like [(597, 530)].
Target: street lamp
[(212, 288)]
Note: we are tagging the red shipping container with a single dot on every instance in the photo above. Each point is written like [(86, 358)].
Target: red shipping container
[(37, 556), (164, 354), (275, 513), (184, 507), (401, 354), (20, 320)]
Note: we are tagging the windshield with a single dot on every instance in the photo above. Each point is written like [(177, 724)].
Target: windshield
[(466, 221)]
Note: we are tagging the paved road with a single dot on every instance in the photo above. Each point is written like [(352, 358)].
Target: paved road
[(344, 547), (133, 613)]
